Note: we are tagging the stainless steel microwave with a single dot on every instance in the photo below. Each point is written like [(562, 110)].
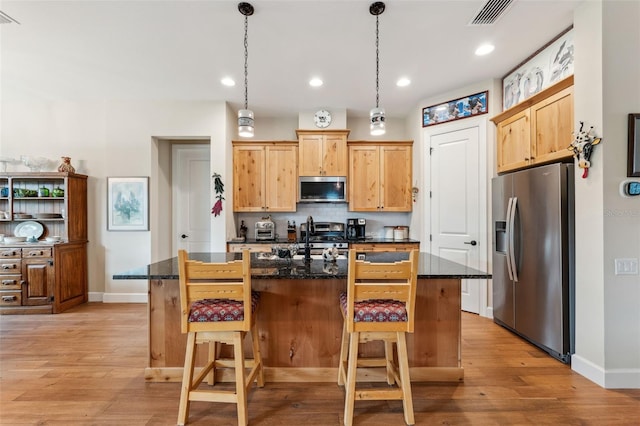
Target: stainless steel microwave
[(322, 189)]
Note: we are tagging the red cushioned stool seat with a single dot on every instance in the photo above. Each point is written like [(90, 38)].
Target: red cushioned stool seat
[(376, 310), (221, 309)]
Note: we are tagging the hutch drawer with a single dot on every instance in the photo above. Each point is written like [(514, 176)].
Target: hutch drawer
[(10, 282), (10, 298), (36, 252), (10, 266), (10, 253)]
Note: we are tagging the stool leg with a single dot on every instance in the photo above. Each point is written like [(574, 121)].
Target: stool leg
[(257, 356), (241, 389), (350, 385), (212, 357), (403, 360), (344, 353), (388, 355), (187, 378)]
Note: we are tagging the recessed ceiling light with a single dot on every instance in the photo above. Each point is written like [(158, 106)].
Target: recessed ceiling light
[(315, 82), (403, 82), (228, 81), (485, 49)]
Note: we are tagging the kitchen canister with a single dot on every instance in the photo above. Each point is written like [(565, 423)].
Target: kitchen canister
[(401, 233), (388, 232)]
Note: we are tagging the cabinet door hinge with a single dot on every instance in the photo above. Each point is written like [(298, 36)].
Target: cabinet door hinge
[(430, 194), (430, 237)]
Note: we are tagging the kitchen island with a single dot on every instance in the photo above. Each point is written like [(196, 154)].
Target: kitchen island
[(299, 320)]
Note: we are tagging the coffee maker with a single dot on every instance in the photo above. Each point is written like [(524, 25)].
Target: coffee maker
[(356, 228)]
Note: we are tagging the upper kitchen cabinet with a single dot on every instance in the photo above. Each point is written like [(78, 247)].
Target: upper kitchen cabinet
[(322, 152), (265, 176), (380, 176), (537, 130)]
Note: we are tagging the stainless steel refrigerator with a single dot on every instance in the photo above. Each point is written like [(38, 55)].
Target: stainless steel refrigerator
[(533, 256)]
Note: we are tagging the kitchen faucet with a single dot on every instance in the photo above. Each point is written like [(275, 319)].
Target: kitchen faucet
[(307, 248)]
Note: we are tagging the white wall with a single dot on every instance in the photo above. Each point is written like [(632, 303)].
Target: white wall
[(420, 219), (111, 139), (607, 225)]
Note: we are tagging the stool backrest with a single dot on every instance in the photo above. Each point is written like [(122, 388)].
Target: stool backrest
[(382, 280), (227, 280)]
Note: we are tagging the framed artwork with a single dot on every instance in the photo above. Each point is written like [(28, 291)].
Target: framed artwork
[(127, 203), (633, 155), (550, 64), (466, 107)]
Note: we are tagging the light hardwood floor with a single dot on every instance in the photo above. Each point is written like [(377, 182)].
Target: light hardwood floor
[(85, 367)]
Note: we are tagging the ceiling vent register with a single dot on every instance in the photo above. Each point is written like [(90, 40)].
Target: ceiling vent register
[(6, 19), (490, 12)]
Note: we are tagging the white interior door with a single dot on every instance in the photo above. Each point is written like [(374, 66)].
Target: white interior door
[(455, 203), (191, 192)]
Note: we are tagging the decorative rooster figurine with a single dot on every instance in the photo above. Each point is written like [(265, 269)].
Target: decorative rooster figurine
[(582, 147)]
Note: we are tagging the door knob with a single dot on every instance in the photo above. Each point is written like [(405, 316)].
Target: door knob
[(472, 242), (183, 236)]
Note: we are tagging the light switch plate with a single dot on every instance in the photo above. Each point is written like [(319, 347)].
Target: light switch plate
[(626, 266)]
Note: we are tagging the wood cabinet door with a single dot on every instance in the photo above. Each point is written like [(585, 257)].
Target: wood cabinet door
[(552, 127), (281, 178), (364, 178), (514, 142), (38, 274), (310, 154), (71, 276), (249, 178), (335, 156), (323, 154), (396, 178)]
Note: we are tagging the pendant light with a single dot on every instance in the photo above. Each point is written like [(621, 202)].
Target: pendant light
[(245, 116), (376, 115)]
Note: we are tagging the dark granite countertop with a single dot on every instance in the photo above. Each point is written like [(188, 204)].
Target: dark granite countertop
[(430, 266), (283, 241)]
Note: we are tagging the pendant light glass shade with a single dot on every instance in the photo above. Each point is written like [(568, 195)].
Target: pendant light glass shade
[(245, 123), (376, 121)]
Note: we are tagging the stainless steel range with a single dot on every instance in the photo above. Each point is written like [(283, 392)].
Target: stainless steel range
[(324, 235)]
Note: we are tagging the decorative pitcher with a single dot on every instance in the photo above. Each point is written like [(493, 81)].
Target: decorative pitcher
[(66, 166)]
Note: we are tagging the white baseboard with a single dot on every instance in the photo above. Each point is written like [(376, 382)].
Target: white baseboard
[(118, 297), (95, 296), (489, 312), (616, 378)]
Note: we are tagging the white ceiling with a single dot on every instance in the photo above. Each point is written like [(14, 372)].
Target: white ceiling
[(180, 50)]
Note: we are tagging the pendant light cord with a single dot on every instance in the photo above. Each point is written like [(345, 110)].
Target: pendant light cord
[(246, 58), (377, 63)]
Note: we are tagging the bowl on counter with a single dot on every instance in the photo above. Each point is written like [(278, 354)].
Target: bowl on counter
[(11, 240), (54, 239)]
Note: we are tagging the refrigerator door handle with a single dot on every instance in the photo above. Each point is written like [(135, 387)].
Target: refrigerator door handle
[(508, 251), (512, 237)]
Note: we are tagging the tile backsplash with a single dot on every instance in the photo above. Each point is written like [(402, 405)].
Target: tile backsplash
[(325, 212)]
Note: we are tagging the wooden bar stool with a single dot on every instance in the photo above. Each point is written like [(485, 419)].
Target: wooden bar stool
[(379, 305), (213, 297)]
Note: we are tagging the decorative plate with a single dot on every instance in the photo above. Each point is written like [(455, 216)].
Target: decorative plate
[(29, 229)]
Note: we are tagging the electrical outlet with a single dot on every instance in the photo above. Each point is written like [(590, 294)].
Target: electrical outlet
[(626, 266)]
